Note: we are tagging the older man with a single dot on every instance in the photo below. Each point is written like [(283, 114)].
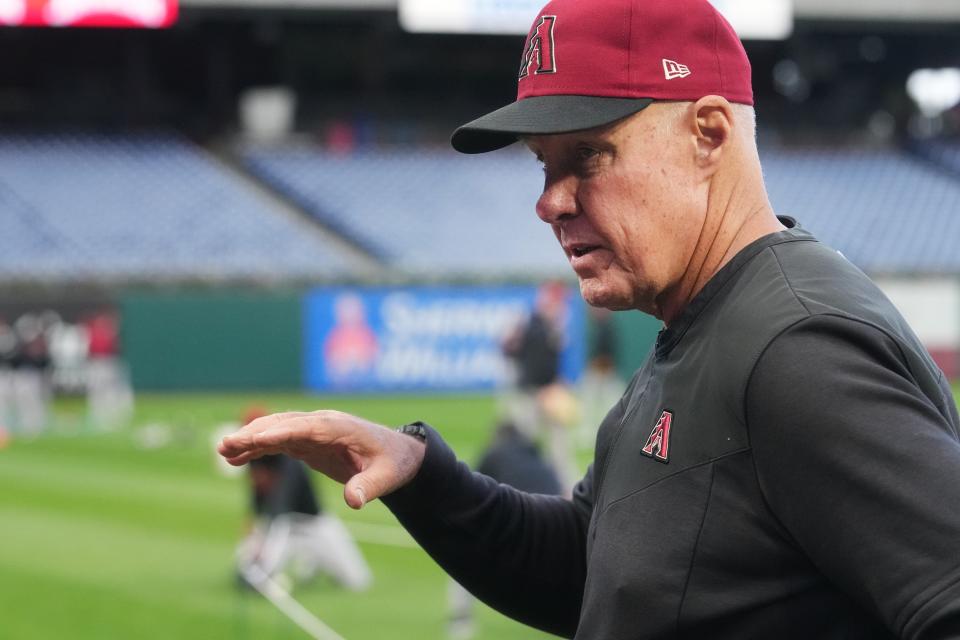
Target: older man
[(785, 464)]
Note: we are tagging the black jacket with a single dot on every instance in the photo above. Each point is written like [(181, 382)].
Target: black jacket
[(810, 486)]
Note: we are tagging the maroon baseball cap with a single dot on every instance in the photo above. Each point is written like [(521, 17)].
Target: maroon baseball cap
[(587, 63)]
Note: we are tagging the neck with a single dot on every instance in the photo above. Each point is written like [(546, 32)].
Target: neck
[(738, 213)]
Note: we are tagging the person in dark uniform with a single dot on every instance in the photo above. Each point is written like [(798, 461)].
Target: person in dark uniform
[(510, 458), (513, 459), (9, 353), (535, 347), (536, 344), (31, 375), (600, 385), (783, 465), (291, 538), (281, 485)]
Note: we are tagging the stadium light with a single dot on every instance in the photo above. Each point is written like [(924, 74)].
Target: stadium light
[(934, 90), (767, 20)]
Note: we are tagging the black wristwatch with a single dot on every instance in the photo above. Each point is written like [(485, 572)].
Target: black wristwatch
[(416, 429)]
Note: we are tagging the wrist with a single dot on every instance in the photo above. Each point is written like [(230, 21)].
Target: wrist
[(416, 430), (414, 437)]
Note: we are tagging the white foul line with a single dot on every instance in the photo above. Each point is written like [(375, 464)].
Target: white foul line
[(290, 607)]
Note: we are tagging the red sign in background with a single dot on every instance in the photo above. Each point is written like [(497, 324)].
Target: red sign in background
[(153, 14)]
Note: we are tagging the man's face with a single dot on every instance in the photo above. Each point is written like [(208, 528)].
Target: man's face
[(626, 204)]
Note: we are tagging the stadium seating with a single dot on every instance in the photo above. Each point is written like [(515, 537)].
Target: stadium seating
[(159, 208), (439, 210), (943, 153), (100, 207), (424, 211), (886, 211)]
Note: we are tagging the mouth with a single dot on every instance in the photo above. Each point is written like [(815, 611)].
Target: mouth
[(578, 251)]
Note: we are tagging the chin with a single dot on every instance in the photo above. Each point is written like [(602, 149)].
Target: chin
[(596, 294)]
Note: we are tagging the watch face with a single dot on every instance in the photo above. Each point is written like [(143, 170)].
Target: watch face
[(415, 429)]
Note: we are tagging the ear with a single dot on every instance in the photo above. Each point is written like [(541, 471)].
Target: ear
[(713, 130)]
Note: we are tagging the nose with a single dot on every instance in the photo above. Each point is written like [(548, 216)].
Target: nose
[(558, 200)]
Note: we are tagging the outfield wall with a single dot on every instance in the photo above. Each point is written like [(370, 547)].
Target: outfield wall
[(410, 339), (932, 307), (187, 340), (441, 338)]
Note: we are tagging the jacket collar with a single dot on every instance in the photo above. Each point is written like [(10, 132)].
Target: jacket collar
[(668, 337)]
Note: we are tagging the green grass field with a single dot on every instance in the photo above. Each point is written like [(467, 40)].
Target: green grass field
[(103, 538)]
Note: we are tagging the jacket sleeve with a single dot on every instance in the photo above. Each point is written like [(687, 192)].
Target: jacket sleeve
[(523, 554), (862, 468)]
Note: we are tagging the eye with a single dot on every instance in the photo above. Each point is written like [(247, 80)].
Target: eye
[(587, 153), (588, 159)]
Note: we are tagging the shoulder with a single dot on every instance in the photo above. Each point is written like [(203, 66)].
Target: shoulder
[(842, 379), (848, 438), (846, 322), (799, 312)]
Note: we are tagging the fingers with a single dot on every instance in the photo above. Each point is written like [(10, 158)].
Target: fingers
[(354, 493), (386, 473), (283, 433), (379, 479), (317, 429), (241, 441), (244, 458), (372, 460)]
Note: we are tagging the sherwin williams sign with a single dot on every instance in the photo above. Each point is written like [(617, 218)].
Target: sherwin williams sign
[(422, 338)]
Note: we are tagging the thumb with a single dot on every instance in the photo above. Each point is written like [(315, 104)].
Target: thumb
[(371, 483)]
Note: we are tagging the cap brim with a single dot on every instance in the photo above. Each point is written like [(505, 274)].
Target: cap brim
[(541, 115)]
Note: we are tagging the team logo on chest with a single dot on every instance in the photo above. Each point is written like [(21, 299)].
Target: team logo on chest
[(539, 52), (658, 444)]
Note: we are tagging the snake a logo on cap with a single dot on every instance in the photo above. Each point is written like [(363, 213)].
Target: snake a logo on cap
[(540, 49)]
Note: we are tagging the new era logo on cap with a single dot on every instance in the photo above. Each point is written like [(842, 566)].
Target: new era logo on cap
[(672, 70)]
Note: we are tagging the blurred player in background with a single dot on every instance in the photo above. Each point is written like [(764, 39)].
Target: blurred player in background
[(513, 459), (109, 393), (600, 387), (539, 402), (31, 376), (8, 354), (291, 539)]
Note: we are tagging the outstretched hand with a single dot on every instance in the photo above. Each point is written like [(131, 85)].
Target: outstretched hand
[(369, 459)]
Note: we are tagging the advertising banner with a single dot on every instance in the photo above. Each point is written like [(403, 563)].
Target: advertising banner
[(424, 338), (152, 14)]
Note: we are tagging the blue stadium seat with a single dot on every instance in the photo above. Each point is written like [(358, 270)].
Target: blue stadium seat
[(885, 211), (151, 207), (424, 211), (943, 153), (157, 207), (438, 210)]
